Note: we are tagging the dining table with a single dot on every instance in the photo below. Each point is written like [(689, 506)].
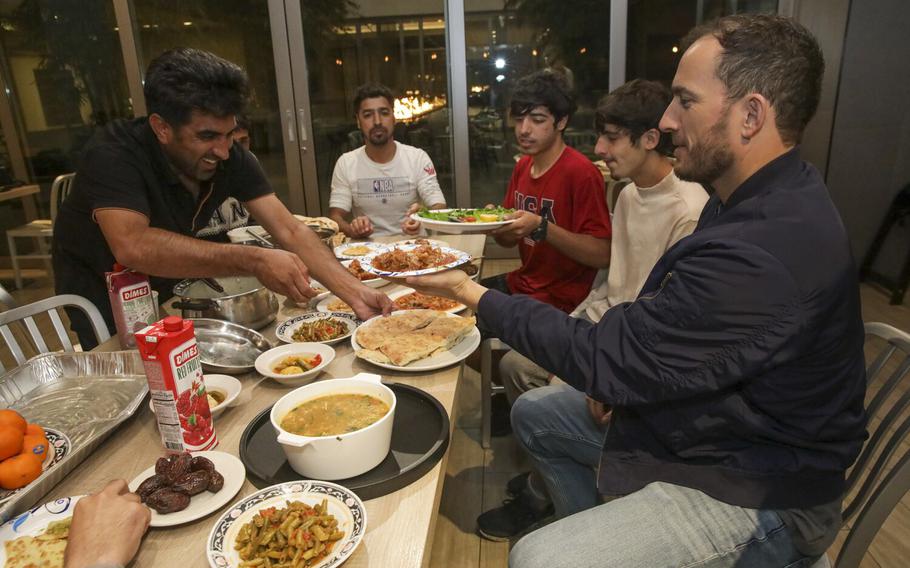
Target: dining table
[(400, 525)]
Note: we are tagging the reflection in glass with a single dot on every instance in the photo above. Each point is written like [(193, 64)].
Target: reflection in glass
[(569, 36), (238, 31), (64, 64), (657, 26), (371, 43)]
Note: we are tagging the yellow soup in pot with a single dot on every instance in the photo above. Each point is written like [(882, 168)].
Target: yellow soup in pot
[(334, 414)]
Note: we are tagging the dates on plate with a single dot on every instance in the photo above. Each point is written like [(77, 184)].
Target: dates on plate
[(167, 501), (150, 485), (193, 483), (200, 463), (177, 478), (216, 483)]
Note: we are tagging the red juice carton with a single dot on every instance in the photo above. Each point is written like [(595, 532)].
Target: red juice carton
[(132, 303), (174, 372)]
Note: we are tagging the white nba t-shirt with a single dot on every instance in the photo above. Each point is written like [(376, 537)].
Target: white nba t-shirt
[(383, 192)]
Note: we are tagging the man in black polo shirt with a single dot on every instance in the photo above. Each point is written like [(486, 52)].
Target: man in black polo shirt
[(146, 188)]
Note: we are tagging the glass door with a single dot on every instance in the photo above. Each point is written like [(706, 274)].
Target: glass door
[(338, 46)]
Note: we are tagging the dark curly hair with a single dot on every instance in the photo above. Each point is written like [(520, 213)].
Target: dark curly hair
[(773, 56), (546, 88), (636, 107), (372, 91), (182, 80)]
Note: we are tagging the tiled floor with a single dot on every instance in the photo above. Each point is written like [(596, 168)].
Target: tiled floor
[(475, 478)]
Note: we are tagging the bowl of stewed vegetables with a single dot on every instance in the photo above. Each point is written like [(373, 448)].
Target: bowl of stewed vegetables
[(295, 364), (337, 428)]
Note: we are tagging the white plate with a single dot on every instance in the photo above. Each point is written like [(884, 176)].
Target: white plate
[(372, 282), (266, 361), (413, 241), (374, 247), (461, 257), (438, 360), (343, 504), (60, 447), (227, 384), (35, 521), (206, 502), (285, 330), (323, 306), (405, 291), (457, 228), (316, 285)]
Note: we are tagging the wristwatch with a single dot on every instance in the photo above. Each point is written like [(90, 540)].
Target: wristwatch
[(540, 233)]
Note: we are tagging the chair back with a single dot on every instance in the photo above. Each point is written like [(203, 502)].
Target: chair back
[(26, 316), (59, 190), (872, 495)]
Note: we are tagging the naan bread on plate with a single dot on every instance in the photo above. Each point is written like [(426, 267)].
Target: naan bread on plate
[(420, 334), (382, 329), (42, 551)]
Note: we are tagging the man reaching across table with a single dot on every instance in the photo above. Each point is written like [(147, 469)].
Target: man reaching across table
[(146, 188), (737, 376)]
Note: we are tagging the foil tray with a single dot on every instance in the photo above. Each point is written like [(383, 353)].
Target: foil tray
[(83, 395)]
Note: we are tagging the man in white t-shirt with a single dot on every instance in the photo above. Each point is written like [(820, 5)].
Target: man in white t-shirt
[(378, 185), (652, 213)]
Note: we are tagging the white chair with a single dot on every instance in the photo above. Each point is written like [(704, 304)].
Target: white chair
[(869, 504), (40, 229), (26, 316)]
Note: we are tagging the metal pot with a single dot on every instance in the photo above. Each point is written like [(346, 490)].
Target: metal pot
[(245, 301)]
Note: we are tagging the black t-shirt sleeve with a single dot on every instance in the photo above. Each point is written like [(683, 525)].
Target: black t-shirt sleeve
[(249, 180), (110, 180)]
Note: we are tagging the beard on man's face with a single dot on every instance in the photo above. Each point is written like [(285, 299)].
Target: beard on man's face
[(707, 159)]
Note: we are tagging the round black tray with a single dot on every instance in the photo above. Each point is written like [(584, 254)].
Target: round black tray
[(420, 437)]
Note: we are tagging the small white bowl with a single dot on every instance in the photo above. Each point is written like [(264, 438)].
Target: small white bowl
[(227, 384), (267, 361)]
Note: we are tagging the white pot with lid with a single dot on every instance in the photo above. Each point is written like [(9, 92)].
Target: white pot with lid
[(343, 455)]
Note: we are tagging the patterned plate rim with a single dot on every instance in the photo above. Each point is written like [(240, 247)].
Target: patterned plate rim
[(461, 257), (215, 542), (281, 332), (62, 446)]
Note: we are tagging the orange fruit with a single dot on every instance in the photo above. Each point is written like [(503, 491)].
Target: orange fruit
[(35, 445), (34, 430), (10, 441), (19, 471), (12, 418)]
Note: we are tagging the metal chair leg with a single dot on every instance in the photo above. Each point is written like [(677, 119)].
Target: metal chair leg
[(486, 392)]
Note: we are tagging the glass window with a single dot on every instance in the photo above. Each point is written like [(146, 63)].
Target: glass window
[(506, 44), (240, 33), (378, 43), (656, 27), (65, 66)]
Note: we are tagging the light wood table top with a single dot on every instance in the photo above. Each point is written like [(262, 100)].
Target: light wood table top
[(400, 525)]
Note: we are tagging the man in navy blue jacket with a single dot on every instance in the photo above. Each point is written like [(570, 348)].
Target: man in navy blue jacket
[(737, 376)]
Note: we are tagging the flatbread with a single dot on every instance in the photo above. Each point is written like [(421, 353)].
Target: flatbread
[(42, 551), (411, 336), (383, 329)]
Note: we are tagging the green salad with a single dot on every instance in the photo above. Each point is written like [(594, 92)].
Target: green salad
[(491, 215)]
